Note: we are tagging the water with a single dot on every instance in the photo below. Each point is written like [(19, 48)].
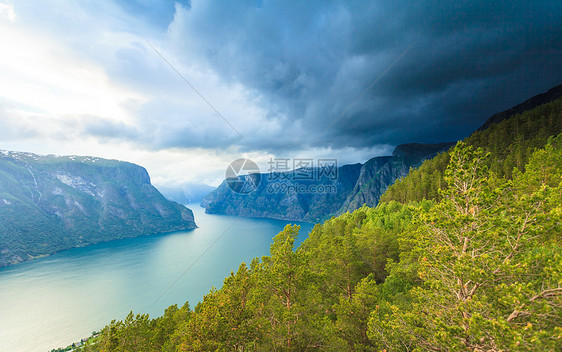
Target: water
[(53, 301)]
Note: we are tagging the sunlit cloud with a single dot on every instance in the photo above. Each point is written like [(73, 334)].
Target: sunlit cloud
[(7, 12)]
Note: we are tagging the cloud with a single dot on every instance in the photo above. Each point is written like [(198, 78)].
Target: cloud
[(309, 61), (84, 78), (7, 12)]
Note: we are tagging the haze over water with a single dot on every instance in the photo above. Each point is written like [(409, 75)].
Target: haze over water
[(53, 301)]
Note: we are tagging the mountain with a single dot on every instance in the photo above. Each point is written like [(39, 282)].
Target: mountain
[(299, 200), (510, 141), (52, 203), (284, 195), (531, 103), (380, 172), (185, 194)]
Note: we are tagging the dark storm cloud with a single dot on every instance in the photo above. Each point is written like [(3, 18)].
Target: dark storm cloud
[(309, 60)]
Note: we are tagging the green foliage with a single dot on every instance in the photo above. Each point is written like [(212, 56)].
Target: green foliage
[(488, 255)]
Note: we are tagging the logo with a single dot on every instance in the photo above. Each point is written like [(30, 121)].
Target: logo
[(243, 176)]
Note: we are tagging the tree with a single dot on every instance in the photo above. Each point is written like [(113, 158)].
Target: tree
[(285, 299), (481, 259), (353, 314)]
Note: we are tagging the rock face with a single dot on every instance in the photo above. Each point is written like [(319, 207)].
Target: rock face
[(50, 203), (297, 200), (285, 196), (379, 173)]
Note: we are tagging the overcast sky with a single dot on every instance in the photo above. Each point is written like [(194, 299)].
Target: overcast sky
[(348, 80)]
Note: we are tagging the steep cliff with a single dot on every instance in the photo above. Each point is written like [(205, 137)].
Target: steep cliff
[(51, 203)]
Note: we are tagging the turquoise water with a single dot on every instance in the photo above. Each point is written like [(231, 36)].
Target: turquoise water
[(53, 301)]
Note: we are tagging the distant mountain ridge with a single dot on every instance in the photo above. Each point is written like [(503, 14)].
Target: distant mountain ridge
[(356, 184), (52, 203), (531, 103), (187, 193)]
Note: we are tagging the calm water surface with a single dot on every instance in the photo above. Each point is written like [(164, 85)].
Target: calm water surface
[(54, 301)]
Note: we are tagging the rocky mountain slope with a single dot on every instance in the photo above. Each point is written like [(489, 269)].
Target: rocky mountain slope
[(285, 196), (380, 172), (51, 203), (300, 200)]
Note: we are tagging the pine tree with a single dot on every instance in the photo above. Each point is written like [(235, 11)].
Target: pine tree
[(491, 282)]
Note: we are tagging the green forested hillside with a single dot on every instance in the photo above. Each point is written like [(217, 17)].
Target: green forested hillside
[(510, 142), (478, 268)]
